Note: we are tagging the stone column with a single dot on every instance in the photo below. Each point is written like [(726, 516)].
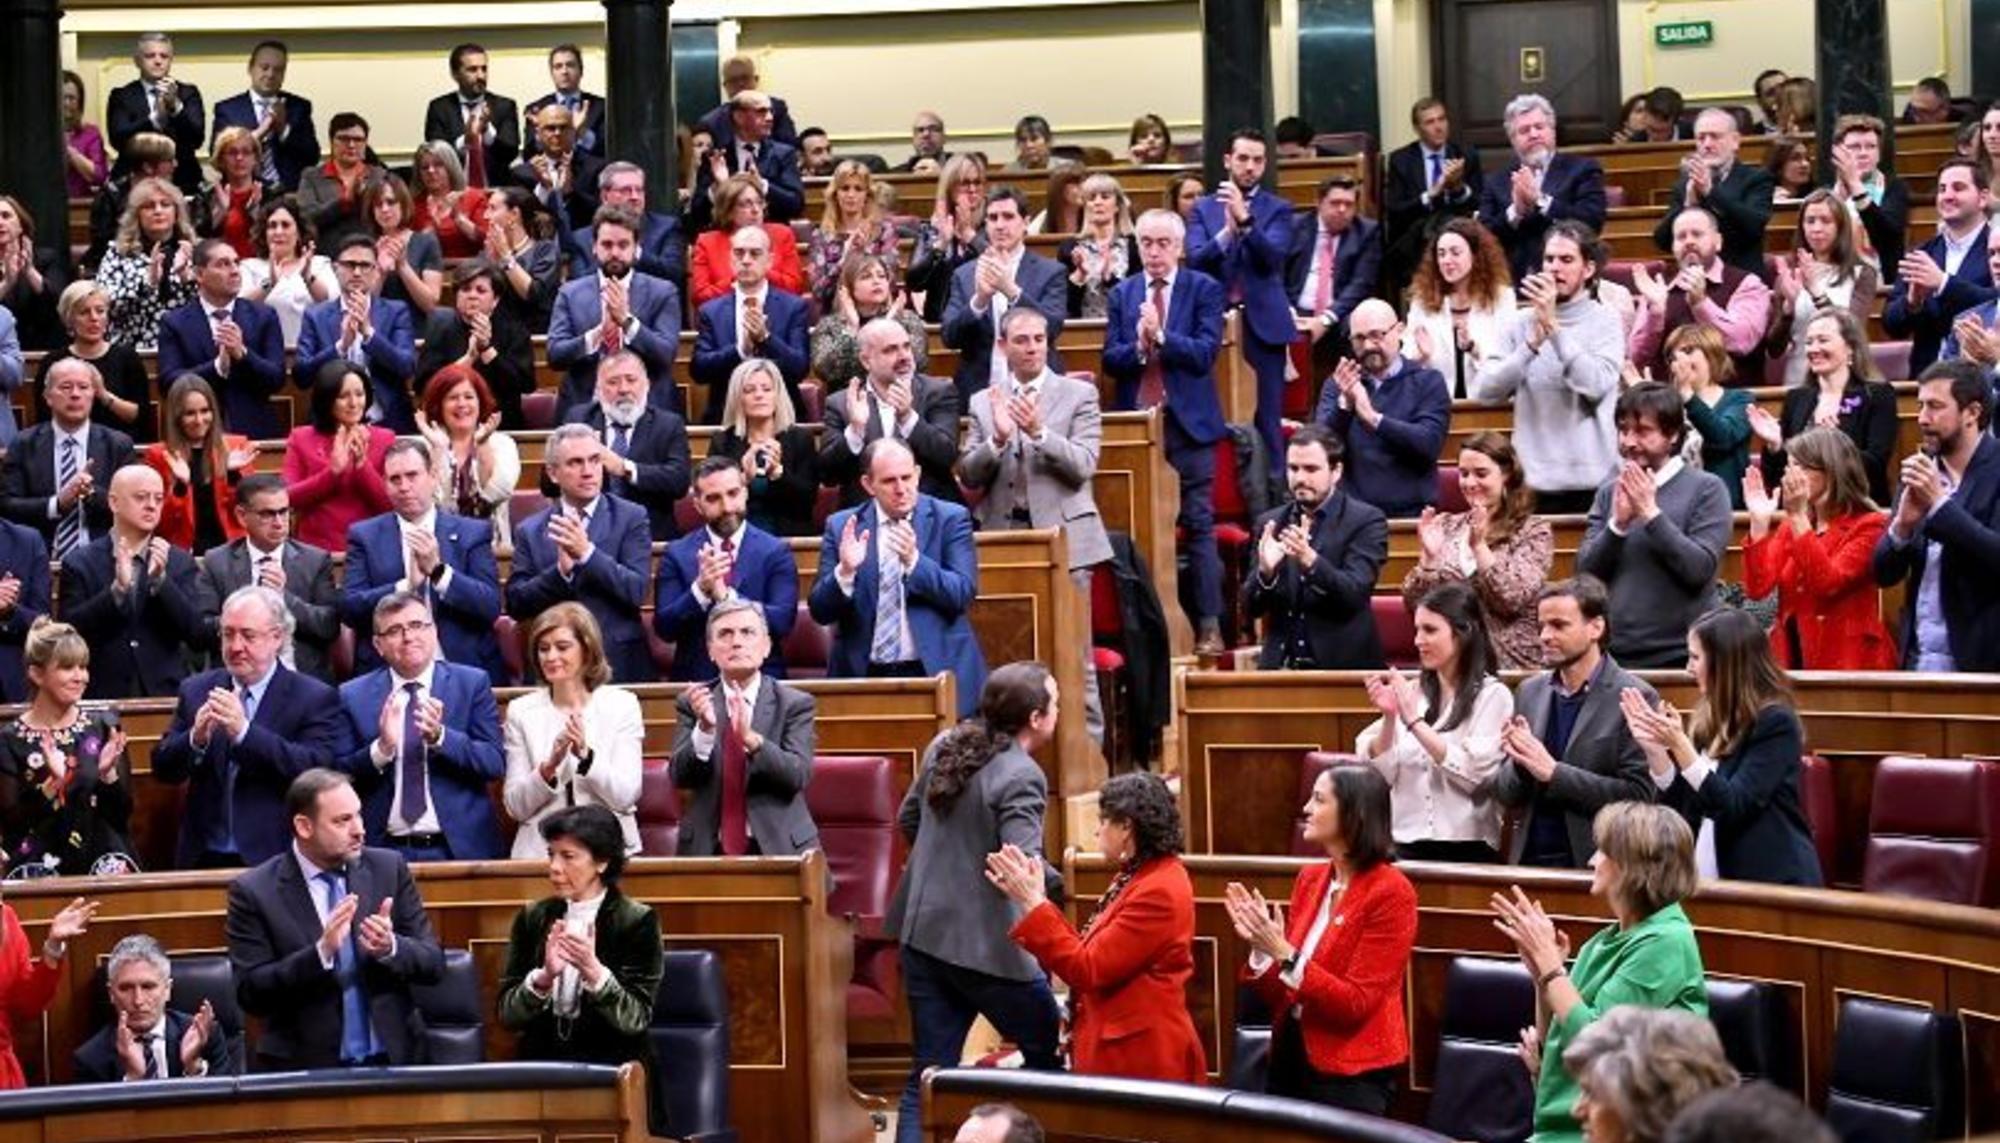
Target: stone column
[(31, 133), (639, 95), (1235, 77), (1852, 67)]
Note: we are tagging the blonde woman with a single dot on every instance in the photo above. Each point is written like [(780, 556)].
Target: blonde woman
[(760, 431), (65, 783), (576, 739), (950, 238), (124, 388), (1103, 252), (853, 224), (443, 207), (150, 266), (239, 194)]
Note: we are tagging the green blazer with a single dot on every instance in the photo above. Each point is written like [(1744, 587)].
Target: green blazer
[(611, 1026)]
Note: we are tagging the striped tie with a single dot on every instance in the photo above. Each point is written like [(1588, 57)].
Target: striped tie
[(69, 526), (888, 643), (267, 166)]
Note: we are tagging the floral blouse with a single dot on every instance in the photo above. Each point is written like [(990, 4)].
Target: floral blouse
[(836, 351), (136, 304), (827, 250), (1507, 588), (54, 810)]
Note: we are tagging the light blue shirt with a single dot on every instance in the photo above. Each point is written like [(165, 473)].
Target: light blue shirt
[(252, 695)]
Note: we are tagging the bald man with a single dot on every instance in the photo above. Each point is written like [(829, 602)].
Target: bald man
[(1737, 194), (132, 595), (1390, 413), (559, 172)]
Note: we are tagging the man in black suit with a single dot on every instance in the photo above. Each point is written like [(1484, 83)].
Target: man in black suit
[(1332, 267), (132, 595), (743, 748), (1317, 559), (55, 476), (267, 555), (1431, 179), (1519, 203), (893, 400), (751, 148), (147, 1039), (566, 71), (1006, 274), (1738, 194), (159, 103), (327, 938), (281, 121), (484, 128), (560, 173), (645, 447), (739, 74)]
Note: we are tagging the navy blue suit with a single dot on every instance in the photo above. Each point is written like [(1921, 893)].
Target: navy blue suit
[(1752, 796), (1967, 527), (390, 356), (657, 464), (938, 596), (25, 556), (297, 151), (237, 800), (187, 345), (662, 249), (766, 572), (464, 611), (1044, 287), (1252, 266), (1357, 263), (784, 185), (1575, 189), (716, 354), (458, 768), (1394, 465), (139, 643), (579, 308), (1927, 325), (97, 1058), (611, 584)]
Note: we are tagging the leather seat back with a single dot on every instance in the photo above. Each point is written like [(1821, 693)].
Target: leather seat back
[(1897, 1074), (853, 800), (1931, 830), (1250, 1062), (690, 1035), (196, 977), (1751, 1018), (659, 810), (1482, 1092), (1396, 627), (1822, 813), (807, 648), (454, 1017)]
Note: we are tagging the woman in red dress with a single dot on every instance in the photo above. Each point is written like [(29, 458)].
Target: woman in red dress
[(1128, 969), (28, 979)]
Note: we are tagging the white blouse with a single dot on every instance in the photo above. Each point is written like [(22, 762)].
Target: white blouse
[(616, 733), (290, 295), (1449, 800), (496, 488), (1486, 326)]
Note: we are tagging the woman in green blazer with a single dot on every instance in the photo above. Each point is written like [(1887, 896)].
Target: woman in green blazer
[(583, 965)]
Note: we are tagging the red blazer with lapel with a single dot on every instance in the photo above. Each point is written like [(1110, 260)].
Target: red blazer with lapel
[(1128, 977), (1826, 585)]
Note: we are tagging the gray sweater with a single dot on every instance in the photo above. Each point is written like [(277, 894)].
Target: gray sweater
[(1564, 394), (1661, 572)]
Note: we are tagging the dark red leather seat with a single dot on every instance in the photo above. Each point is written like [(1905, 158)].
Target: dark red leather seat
[(1450, 497), (1931, 830), (807, 648), (538, 410), (1396, 628), (1822, 816), (659, 810), (853, 800)]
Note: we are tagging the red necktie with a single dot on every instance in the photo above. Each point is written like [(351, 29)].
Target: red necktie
[(1323, 284), (729, 550), (735, 775), (614, 338), (1153, 381)]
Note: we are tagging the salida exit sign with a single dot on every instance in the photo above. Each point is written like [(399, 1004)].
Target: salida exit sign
[(1685, 34)]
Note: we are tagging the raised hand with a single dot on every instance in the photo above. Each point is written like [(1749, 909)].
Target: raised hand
[(1016, 875), (1257, 922), (377, 934), (1430, 536), (553, 961), (1759, 501), (108, 758), (701, 702), (131, 1054), (73, 921), (902, 540), (1765, 427), (1426, 345), (339, 920), (1521, 745), (853, 547), (195, 1040), (1650, 288), (1270, 549)]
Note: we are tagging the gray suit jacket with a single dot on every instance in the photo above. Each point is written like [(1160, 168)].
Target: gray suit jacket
[(309, 593), (1603, 763), (944, 906), (1052, 475), (775, 790)]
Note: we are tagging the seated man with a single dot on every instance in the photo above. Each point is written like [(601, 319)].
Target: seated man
[(1705, 289), (662, 245), (727, 560), (241, 733), (752, 320), (1736, 195), (420, 548), (331, 983), (1943, 541), (361, 326), (590, 548), (1006, 274), (558, 171), (425, 743), (56, 475), (644, 447), (132, 595), (1331, 264), (1520, 204), (1389, 414), (24, 598), (1569, 751), (894, 400), (148, 1040), (267, 555), (233, 343), (1317, 560), (1930, 102), (616, 308), (897, 576), (743, 749), (1656, 533)]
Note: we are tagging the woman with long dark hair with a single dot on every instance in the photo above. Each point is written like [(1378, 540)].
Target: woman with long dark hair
[(200, 465), (979, 789), (1825, 272), (1498, 545)]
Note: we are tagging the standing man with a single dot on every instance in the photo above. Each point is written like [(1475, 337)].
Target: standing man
[(234, 344), (726, 560), (1033, 450), (282, 122), (927, 141), (148, 1040), (585, 108), (158, 103), (1332, 265), (743, 749), (1431, 179), (374, 333), (55, 475), (662, 246), (644, 447), (1737, 195), (1706, 289), (748, 147), (751, 320), (897, 576), (1240, 236), (484, 128), (132, 595), (558, 172), (1004, 275), (893, 400), (618, 308), (424, 740), (327, 938), (1317, 559), (241, 733), (1947, 275), (1544, 187), (739, 74), (1389, 414), (267, 555)]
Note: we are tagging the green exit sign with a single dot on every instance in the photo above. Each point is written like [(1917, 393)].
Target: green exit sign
[(1685, 34)]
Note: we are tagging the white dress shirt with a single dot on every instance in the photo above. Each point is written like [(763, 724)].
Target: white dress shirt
[(1449, 800), (425, 523), (704, 741), (385, 758)]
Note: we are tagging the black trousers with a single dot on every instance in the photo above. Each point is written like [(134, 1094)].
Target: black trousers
[(1369, 1093)]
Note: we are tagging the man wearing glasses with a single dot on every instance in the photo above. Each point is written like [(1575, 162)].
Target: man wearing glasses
[(375, 334), (1389, 413), (267, 555)]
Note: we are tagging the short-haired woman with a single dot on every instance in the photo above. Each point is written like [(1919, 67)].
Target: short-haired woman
[(867, 291), (583, 966), (1643, 868), (1128, 968), (1331, 967), (84, 166), (200, 466), (761, 432), (333, 462), (1843, 390), (239, 193), (739, 202), (1735, 773), (288, 274), (65, 782), (411, 261), (576, 739), (1699, 369), (124, 388), (1498, 545), (1103, 252), (477, 465), (1637, 1067), (444, 208)]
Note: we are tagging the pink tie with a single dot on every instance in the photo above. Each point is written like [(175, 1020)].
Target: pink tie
[(1323, 285), (1153, 379)]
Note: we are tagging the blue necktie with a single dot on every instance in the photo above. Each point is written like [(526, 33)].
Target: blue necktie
[(356, 1037), (888, 643), (69, 526), (1437, 167), (414, 799)]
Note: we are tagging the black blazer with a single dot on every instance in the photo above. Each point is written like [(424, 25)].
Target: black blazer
[(28, 477), (1741, 205), (782, 507), (660, 464), (274, 929), (1575, 187), (127, 113), (510, 375), (589, 133), (25, 555), (1330, 602), (297, 152), (1887, 222), (1868, 417), (1066, 249), (139, 644), (97, 1058), (784, 186), (579, 206), (1968, 528), (445, 119), (1761, 833), (1408, 219)]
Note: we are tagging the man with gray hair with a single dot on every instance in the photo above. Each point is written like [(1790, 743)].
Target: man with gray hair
[(158, 103), (662, 246), (1542, 187), (1737, 194), (893, 400), (643, 446), (149, 1040), (241, 733)]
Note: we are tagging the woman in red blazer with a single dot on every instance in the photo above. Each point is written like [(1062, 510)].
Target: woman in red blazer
[(1128, 969), (199, 465), (1332, 967), (28, 978), (711, 273), (333, 463), (1813, 539)]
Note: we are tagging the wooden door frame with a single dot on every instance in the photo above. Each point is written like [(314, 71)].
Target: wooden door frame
[(1444, 21)]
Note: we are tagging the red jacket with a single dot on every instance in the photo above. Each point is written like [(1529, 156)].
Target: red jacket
[(1826, 586), (177, 513), (712, 274), (326, 503), (1352, 992), (1128, 977), (27, 984)]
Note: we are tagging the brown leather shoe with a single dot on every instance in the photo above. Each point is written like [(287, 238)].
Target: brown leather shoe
[(1208, 644)]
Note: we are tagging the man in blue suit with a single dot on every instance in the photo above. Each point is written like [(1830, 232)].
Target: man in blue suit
[(752, 149), (1162, 332), (418, 548), (1518, 204), (616, 308), (897, 576), (1335, 259), (13, 369), (662, 246), (241, 733), (424, 738), (1006, 274), (587, 548), (282, 122), (361, 326), (1947, 275), (1240, 236), (752, 320), (24, 598), (726, 559), (234, 344), (644, 448)]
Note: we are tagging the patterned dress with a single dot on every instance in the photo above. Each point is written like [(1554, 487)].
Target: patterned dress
[(56, 811)]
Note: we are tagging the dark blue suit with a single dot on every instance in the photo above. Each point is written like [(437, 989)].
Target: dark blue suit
[(1967, 527), (1394, 465), (784, 186), (237, 800), (1927, 325), (1575, 189), (766, 572), (1044, 286), (716, 354), (97, 1058), (611, 584), (662, 249), (1752, 796), (579, 308), (459, 767), (187, 345), (464, 611), (391, 355), (1251, 267), (1357, 263), (138, 643), (25, 556), (1193, 338), (297, 152), (938, 596)]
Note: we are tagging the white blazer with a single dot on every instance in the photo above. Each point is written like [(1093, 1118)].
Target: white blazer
[(616, 733), (1487, 326)]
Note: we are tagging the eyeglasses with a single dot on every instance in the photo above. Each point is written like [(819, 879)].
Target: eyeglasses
[(405, 630), (350, 264), (352, 140)]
